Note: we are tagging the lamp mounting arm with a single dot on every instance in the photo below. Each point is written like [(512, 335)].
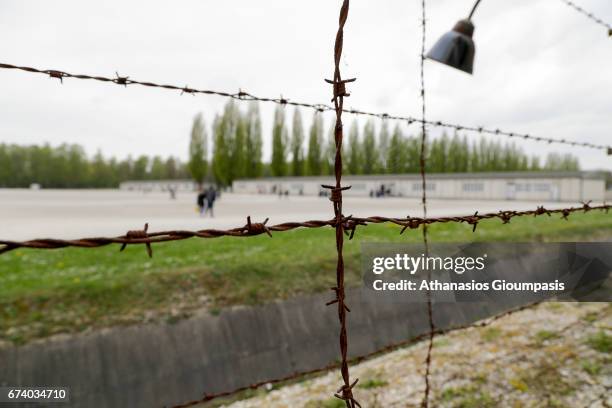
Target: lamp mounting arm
[(474, 9)]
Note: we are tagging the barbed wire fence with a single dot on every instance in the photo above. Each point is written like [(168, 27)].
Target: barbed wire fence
[(349, 226), (422, 168), (343, 225), (317, 107), (345, 392), (589, 15)]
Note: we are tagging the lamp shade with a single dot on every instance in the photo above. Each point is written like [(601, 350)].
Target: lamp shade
[(456, 48)]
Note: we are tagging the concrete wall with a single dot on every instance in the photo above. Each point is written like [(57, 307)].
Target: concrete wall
[(161, 365)]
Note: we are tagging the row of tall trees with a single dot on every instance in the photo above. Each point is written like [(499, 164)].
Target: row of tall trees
[(67, 166), (368, 151), (237, 146), (297, 151), (234, 150)]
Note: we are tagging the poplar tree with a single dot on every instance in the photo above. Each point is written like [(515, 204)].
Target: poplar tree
[(413, 155), (239, 148), (254, 166), (140, 168), (396, 153), (314, 156), (171, 168), (355, 163), (329, 150), (383, 146), (158, 169), (297, 143), (225, 129), (198, 148), (278, 164), (464, 165), (370, 153), (437, 156)]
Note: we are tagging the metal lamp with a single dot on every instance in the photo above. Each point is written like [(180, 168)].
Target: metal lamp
[(456, 48)]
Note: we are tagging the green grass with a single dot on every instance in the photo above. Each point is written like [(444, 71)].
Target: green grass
[(601, 342), (371, 383), (467, 396), (544, 335), (544, 378), (591, 367), (328, 403), (490, 334), (52, 291)]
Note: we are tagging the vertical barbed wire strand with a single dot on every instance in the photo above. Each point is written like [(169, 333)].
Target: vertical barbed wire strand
[(345, 392), (422, 160)]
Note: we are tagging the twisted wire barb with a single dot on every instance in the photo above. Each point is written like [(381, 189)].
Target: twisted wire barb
[(245, 96), (206, 397), (350, 224), (589, 15)]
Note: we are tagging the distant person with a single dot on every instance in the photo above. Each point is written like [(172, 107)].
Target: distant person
[(202, 201), (172, 191), (211, 196)]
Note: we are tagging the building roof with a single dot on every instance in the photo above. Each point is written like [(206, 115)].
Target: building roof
[(594, 175)]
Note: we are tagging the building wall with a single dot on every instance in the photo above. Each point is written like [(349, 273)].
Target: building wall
[(594, 190), (158, 185), (575, 186)]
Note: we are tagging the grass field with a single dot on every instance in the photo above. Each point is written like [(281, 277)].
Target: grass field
[(70, 290)]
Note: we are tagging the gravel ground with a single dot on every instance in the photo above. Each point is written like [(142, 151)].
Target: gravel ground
[(553, 355), (31, 214)]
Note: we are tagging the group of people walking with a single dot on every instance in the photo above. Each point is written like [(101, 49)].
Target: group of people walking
[(206, 200)]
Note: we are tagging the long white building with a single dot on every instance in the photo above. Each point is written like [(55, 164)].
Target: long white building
[(536, 186), (159, 185)]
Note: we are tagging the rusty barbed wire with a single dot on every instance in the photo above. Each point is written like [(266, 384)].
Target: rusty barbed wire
[(589, 15), (245, 96), (350, 224), (342, 224), (207, 397), (422, 168), (345, 392)]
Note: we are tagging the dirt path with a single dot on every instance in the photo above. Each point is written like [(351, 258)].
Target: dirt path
[(554, 355)]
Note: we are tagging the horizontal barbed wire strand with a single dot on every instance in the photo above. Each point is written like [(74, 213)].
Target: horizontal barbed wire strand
[(589, 15), (356, 360), (350, 224), (245, 96)]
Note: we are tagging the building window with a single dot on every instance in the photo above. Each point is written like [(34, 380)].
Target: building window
[(541, 187), (473, 187), (523, 187), (419, 187)]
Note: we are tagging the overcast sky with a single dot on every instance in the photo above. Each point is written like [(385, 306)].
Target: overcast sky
[(541, 68)]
